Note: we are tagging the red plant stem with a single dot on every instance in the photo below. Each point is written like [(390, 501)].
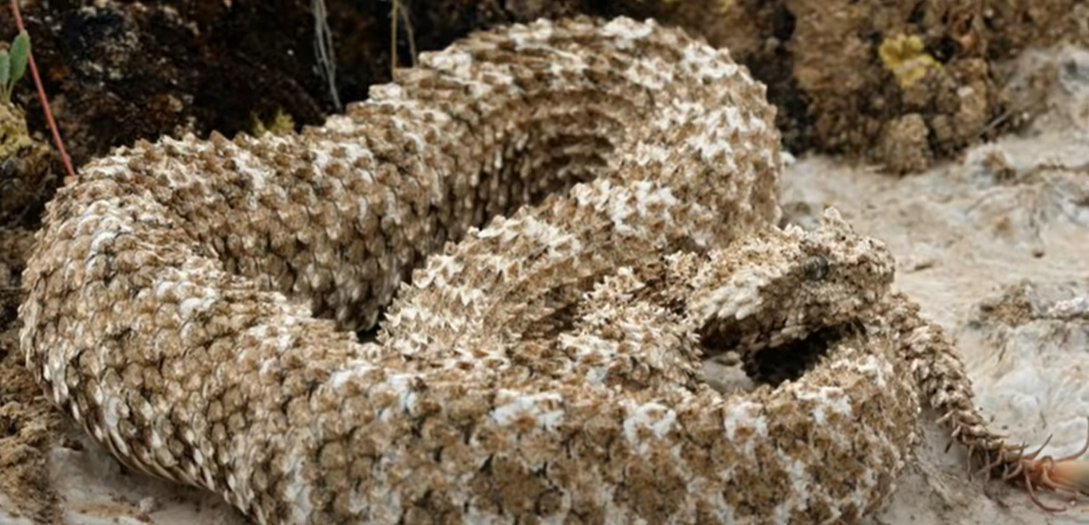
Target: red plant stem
[(41, 94)]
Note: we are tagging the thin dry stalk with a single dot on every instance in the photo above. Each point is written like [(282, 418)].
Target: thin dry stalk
[(41, 95)]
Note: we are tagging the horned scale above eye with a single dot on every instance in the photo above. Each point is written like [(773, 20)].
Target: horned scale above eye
[(191, 302)]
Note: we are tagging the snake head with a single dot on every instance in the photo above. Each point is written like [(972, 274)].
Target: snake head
[(789, 287)]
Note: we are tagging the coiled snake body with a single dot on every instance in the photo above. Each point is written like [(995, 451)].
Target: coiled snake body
[(191, 302)]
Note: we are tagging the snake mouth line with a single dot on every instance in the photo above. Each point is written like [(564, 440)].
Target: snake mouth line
[(774, 364)]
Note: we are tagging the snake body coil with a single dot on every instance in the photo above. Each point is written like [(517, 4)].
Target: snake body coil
[(191, 302)]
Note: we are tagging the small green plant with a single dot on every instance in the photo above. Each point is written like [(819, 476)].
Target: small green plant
[(13, 64)]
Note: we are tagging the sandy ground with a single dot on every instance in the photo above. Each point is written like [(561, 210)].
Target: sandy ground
[(994, 246)]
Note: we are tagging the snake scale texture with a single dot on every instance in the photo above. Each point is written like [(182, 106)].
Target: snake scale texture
[(553, 224)]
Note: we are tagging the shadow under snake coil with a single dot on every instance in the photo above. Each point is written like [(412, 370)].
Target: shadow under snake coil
[(595, 201)]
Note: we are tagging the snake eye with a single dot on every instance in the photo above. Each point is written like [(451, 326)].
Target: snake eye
[(816, 268)]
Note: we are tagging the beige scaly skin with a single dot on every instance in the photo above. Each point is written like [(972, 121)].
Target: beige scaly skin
[(544, 369)]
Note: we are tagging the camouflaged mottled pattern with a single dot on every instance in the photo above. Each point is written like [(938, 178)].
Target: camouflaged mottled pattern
[(190, 302)]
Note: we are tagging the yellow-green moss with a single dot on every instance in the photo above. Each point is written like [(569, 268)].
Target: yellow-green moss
[(280, 123), (13, 132), (906, 58)]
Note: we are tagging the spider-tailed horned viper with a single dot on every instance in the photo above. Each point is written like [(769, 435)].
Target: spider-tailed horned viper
[(584, 210)]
